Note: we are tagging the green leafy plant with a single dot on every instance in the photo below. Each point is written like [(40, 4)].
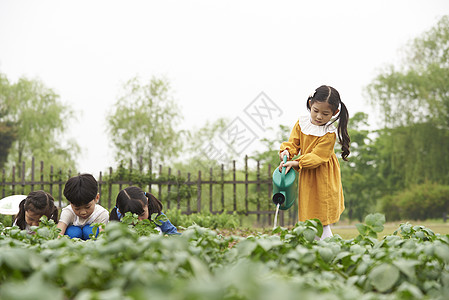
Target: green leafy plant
[(206, 219), (128, 262), (143, 227)]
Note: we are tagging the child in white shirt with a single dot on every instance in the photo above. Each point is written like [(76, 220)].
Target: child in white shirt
[(76, 218)]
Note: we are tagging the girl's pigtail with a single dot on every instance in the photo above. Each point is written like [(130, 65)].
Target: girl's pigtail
[(113, 216), (343, 135), (54, 214), (20, 217), (154, 204)]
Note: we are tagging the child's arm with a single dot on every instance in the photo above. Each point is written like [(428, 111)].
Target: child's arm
[(62, 226), (67, 217), (289, 165), (292, 146)]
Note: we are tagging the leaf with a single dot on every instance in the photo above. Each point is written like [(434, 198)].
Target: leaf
[(409, 291), (33, 289), (309, 234), (76, 275), (246, 247), (361, 268), (326, 254), (268, 244), (375, 220), (357, 249), (316, 223), (199, 269), (407, 267), (374, 223), (342, 255), (362, 229), (383, 277), (442, 252), (159, 219), (17, 259)]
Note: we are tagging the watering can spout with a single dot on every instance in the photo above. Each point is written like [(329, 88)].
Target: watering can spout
[(279, 198)]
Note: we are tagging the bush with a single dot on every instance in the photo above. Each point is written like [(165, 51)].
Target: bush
[(390, 208), (419, 202)]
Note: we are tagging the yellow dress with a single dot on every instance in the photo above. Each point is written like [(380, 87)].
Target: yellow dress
[(320, 193)]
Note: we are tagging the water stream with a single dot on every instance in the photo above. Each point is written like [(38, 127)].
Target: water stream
[(276, 216)]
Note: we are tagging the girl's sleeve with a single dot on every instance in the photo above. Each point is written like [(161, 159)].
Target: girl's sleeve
[(167, 227), (320, 154), (292, 146)]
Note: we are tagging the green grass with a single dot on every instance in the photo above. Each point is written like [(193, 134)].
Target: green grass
[(348, 231)]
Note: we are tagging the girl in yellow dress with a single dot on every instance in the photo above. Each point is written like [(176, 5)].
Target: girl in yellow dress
[(313, 137)]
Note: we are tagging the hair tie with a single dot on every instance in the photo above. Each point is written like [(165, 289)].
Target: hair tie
[(119, 215)]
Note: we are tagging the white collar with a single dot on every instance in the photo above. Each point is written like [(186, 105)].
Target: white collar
[(310, 129)]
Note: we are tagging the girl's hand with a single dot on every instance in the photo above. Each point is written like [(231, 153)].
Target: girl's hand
[(281, 155), (288, 165)]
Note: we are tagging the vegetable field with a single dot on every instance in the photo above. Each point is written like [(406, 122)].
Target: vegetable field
[(131, 262)]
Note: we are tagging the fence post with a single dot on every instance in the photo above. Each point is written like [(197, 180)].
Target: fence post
[(120, 177), (178, 186), (258, 192), (168, 188), (100, 181), (269, 193), (13, 180), (23, 177), (222, 188), (60, 184), (3, 183), (246, 184), (235, 185), (51, 183), (32, 173), (150, 171), (198, 202), (159, 184), (188, 200), (130, 173), (210, 191), (140, 164), (42, 174), (110, 188)]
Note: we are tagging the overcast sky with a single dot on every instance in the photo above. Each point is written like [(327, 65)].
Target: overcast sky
[(219, 56)]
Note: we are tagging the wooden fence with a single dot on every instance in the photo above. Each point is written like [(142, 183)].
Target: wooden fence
[(246, 192)]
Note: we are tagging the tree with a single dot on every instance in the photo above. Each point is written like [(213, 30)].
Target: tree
[(7, 137), (7, 128), (414, 102), (39, 120), (361, 183), (142, 122)]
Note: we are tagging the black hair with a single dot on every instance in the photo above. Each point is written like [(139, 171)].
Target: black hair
[(330, 95), (133, 199), (39, 202), (80, 190)]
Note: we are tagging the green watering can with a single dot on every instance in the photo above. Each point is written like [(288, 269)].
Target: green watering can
[(285, 187)]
